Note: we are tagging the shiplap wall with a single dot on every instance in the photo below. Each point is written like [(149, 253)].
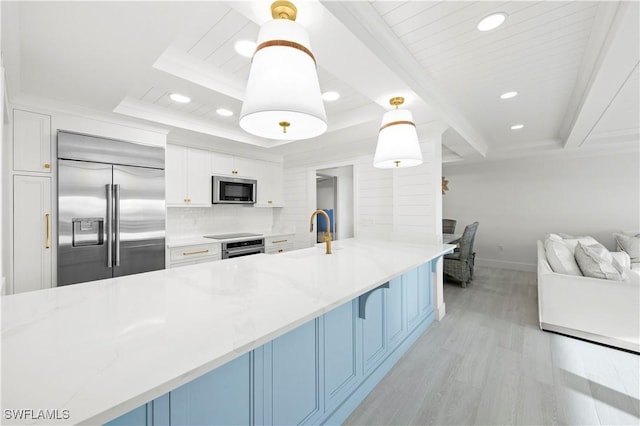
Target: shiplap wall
[(403, 204)]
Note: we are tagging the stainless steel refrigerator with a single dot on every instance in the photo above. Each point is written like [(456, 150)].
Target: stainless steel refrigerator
[(111, 208)]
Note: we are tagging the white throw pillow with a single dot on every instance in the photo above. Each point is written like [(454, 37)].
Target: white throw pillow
[(573, 242), (629, 244), (594, 264), (560, 258)]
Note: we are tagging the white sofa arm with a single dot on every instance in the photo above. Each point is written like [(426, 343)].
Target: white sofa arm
[(623, 258)]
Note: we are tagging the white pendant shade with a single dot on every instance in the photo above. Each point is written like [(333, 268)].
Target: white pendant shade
[(398, 144), (283, 86)]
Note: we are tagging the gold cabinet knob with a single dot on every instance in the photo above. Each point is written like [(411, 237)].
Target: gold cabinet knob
[(270, 202), (47, 165)]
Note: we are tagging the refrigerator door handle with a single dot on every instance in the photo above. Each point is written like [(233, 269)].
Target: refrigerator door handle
[(116, 193), (109, 225)]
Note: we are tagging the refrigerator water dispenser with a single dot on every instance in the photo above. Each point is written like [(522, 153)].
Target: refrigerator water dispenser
[(88, 231)]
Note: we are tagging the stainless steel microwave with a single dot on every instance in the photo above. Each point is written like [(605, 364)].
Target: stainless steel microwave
[(230, 190)]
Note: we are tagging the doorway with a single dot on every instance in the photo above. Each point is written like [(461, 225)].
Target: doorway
[(334, 195)]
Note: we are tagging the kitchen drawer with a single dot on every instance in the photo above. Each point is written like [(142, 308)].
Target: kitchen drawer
[(281, 248), (278, 244), (194, 252), (278, 241), (194, 261)]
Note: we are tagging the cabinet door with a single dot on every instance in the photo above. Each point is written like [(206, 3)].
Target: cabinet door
[(410, 281), (198, 177), (222, 164), (374, 344), (176, 175), (221, 397), (340, 353), (396, 326), (425, 295), (270, 192), (294, 365), (245, 167), (31, 142), (32, 233)]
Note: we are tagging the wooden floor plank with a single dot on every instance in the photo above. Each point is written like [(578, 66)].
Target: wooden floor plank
[(488, 362)]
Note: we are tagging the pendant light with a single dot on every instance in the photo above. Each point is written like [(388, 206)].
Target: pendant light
[(397, 141), (283, 100)]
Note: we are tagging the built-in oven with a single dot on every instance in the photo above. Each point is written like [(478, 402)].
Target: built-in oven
[(242, 248), (229, 190)]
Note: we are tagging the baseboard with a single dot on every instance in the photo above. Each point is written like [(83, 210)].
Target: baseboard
[(505, 264), (583, 335)]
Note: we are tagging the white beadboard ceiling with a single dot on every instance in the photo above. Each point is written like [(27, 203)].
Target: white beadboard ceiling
[(573, 63)]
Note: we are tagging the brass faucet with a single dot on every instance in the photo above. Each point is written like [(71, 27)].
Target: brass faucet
[(327, 235)]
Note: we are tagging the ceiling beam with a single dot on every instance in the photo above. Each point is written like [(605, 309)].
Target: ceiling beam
[(366, 24), (617, 60)]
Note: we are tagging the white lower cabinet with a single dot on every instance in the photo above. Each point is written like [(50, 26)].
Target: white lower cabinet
[(193, 254), (278, 244), (32, 233)]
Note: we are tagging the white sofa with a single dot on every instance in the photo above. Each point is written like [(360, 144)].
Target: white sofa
[(599, 310)]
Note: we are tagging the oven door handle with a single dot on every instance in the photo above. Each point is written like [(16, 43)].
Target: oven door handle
[(245, 250)]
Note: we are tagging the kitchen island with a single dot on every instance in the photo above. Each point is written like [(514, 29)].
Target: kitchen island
[(92, 352)]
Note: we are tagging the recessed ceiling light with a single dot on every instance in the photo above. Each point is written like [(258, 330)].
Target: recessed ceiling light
[(245, 48), (492, 21), (224, 112), (508, 95), (517, 126), (180, 98), (331, 96)]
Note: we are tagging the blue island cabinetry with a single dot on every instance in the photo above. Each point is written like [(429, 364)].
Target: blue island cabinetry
[(317, 373)]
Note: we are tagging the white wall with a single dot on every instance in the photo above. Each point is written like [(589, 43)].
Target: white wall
[(519, 201), (217, 219)]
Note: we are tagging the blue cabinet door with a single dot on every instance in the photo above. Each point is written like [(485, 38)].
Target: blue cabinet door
[(294, 391), (340, 353), (374, 345), (221, 397), (425, 292), (395, 315), (411, 285), (137, 417)]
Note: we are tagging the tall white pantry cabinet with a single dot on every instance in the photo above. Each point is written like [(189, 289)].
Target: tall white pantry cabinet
[(32, 217)]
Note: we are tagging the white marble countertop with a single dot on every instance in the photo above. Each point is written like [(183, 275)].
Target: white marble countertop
[(102, 348), (192, 240)]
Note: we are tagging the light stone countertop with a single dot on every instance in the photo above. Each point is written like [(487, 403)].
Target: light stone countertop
[(103, 348), (192, 240)]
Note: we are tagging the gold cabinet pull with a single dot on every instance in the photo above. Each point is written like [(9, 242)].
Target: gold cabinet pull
[(280, 251), (279, 241), (189, 253), (269, 201), (47, 165), (47, 243)]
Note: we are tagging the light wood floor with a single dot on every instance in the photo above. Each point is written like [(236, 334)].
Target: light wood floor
[(487, 362)]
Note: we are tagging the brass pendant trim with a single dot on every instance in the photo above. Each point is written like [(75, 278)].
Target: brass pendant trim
[(396, 101), (394, 123), (283, 9), (285, 43)]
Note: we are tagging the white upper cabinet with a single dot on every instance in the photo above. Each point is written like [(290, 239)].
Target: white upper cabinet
[(188, 177), (270, 182), (229, 165), (31, 142)]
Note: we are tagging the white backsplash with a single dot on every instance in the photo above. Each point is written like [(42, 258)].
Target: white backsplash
[(189, 221)]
